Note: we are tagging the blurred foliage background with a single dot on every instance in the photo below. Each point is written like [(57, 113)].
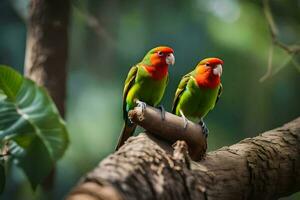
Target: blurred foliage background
[(101, 55)]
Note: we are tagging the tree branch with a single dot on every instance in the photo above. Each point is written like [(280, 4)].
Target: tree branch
[(171, 129), (263, 167)]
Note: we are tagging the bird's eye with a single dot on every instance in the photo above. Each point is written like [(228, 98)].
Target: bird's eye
[(207, 64), (160, 53)]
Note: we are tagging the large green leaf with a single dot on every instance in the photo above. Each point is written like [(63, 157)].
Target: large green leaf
[(30, 119)]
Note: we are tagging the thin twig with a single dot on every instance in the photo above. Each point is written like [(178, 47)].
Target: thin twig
[(270, 73), (290, 49), (296, 64), (271, 24), (270, 59), (95, 25), (284, 63), (294, 48)]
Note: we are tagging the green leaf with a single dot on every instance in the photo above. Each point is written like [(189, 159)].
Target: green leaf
[(2, 177), (10, 82), (37, 162), (31, 120)]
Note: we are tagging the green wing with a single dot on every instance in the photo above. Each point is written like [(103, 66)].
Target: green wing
[(130, 80), (219, 93), (181, 87)]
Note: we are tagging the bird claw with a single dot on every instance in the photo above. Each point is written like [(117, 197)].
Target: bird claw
[(141, 104), (130, 121), (185, 121), (204, 128), (162, 112)]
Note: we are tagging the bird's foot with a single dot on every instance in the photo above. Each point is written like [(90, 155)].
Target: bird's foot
[(141, 104), (130, 121), (185, 121), (162, 112), (204, 128)]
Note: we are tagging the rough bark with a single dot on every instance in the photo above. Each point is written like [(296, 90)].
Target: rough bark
[(47, 47), (171, 129), (263, 167), (47, 52)]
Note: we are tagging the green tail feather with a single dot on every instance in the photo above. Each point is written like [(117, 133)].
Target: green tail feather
[(127, 131)]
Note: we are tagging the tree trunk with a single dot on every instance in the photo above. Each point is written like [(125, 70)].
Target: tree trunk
[(47, 47), (263, 167), (47, 52)]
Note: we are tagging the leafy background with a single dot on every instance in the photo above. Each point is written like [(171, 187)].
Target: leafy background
[(233, 30)]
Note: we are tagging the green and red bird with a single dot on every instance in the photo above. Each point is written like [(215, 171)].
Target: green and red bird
[(145, 84), (199, 91)]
